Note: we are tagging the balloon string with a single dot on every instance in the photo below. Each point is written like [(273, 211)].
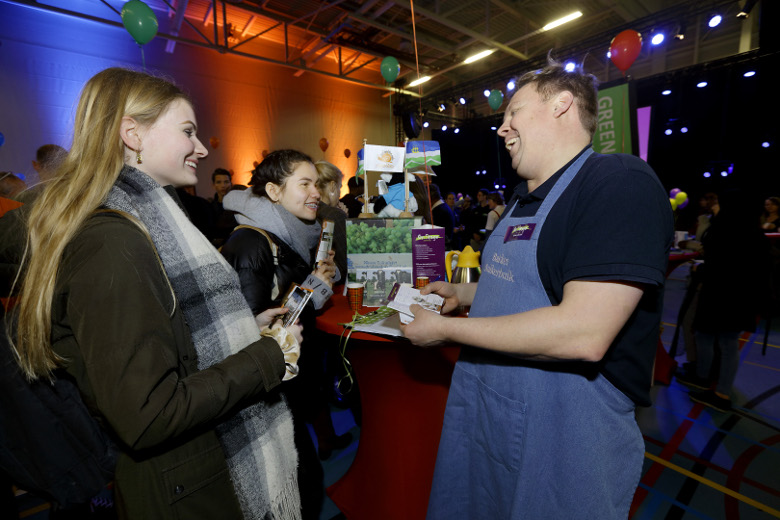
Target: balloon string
[(623, 120), (143, 57), (419, 90)]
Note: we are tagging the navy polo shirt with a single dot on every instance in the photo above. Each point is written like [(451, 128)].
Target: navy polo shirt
[(613, 222)]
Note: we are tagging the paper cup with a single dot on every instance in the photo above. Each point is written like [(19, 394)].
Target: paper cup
[(421, 282), (355, 295)]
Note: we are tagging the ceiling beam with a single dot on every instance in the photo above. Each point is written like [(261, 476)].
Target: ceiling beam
[(465, 30)]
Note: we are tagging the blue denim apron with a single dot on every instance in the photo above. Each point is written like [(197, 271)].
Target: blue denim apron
[(528, 439)]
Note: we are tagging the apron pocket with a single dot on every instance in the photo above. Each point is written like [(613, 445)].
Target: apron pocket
[(499, 427)]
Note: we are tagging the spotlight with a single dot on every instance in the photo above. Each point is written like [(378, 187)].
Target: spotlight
[(707, 175), (496, 186), (666, 92), (724, 173), (443, 128), (510, 85), (569, 67), (745, 11), (684, 130), (715, 20), (668, 131), (486, 92), (462, 100), (765, 144), (457, 130), (609, 54), (493, 128), (426, 124), (701, 84), (484, 172), (442, 107), (749, 74), (657, 39)]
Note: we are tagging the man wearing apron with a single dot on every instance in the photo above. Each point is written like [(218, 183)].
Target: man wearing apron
[(560, 340)]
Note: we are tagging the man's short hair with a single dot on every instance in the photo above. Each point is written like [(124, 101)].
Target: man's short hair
[(496, 197), (49, 156), (554, 78), (353, 182), (220, 171), (435, 192)]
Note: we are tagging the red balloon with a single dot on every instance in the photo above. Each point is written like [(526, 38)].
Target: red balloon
[(347, 153), (323, 144), (625, 48)]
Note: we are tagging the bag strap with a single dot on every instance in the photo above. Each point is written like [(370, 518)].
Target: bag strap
[(274, 251)]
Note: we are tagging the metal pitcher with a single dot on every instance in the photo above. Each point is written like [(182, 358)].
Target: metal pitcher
[(467, 269)]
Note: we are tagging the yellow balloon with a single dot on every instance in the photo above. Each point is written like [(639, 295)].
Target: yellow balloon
[(673, 202), (681, 197)]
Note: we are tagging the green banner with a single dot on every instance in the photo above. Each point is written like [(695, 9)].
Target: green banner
[(613, 129)]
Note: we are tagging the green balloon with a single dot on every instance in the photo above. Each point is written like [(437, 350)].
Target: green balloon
[(390, 69), (140, 21), (495, 99)]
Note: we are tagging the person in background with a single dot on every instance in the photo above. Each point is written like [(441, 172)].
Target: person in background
[(770, 219), (496, 205), (478, 220), (123, 293), (329, 182), (47, 160), (11, 185), (197, 208), (734, 290), (354, 199), (273, 247), (559, 344), (224, 221), (442, 216)]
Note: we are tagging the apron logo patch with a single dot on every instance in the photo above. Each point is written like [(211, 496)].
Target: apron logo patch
[(519, 232)]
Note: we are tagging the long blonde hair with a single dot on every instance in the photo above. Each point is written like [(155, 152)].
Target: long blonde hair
[(80, 186)]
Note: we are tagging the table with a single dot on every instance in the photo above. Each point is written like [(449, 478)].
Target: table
[(403, 392)]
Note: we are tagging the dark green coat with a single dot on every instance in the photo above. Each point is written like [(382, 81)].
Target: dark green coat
[(129, 349)]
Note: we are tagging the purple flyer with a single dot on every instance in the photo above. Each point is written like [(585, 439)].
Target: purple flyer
[(428, 253)]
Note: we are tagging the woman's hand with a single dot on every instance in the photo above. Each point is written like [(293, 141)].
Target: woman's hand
[(326, 269), (267, 317)]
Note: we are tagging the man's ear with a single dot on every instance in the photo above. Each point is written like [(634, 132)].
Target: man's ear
[(564, 100), (128, 131), (274, 191)]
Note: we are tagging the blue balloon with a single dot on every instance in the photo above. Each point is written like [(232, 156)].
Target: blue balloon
[(2, 138)]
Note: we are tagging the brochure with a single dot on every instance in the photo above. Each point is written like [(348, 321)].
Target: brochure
[(402, 296)]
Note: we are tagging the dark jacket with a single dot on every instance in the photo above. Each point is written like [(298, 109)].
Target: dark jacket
[(129, 349), (250, 254)]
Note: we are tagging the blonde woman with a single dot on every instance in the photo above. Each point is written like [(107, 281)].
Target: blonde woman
[(124, 293)]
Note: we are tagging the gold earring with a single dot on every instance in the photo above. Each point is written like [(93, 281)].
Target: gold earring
[(138, 159)]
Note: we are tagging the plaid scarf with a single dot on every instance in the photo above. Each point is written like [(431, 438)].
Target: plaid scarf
[(258, 441)]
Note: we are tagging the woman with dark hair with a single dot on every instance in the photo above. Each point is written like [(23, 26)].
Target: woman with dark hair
[(273, 247), (770, 219)]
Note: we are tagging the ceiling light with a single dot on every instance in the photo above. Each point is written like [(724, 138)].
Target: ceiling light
[(668, 131), (561, 21), (679, 34), (749, 74), (443, 128), (442, 107), (479, 56), (701, 84), (419, 81), (715, 20), (494, 128), (765, 144), (462, 101), (684, 130), (609, 54), (724, 173), (426, 124), (510, 85), (707, 175), (658, 39), (666, 92), (569, 67), (457, 130), (486, 92)]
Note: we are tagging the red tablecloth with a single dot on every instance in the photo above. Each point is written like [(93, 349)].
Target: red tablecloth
[(403, 391)]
